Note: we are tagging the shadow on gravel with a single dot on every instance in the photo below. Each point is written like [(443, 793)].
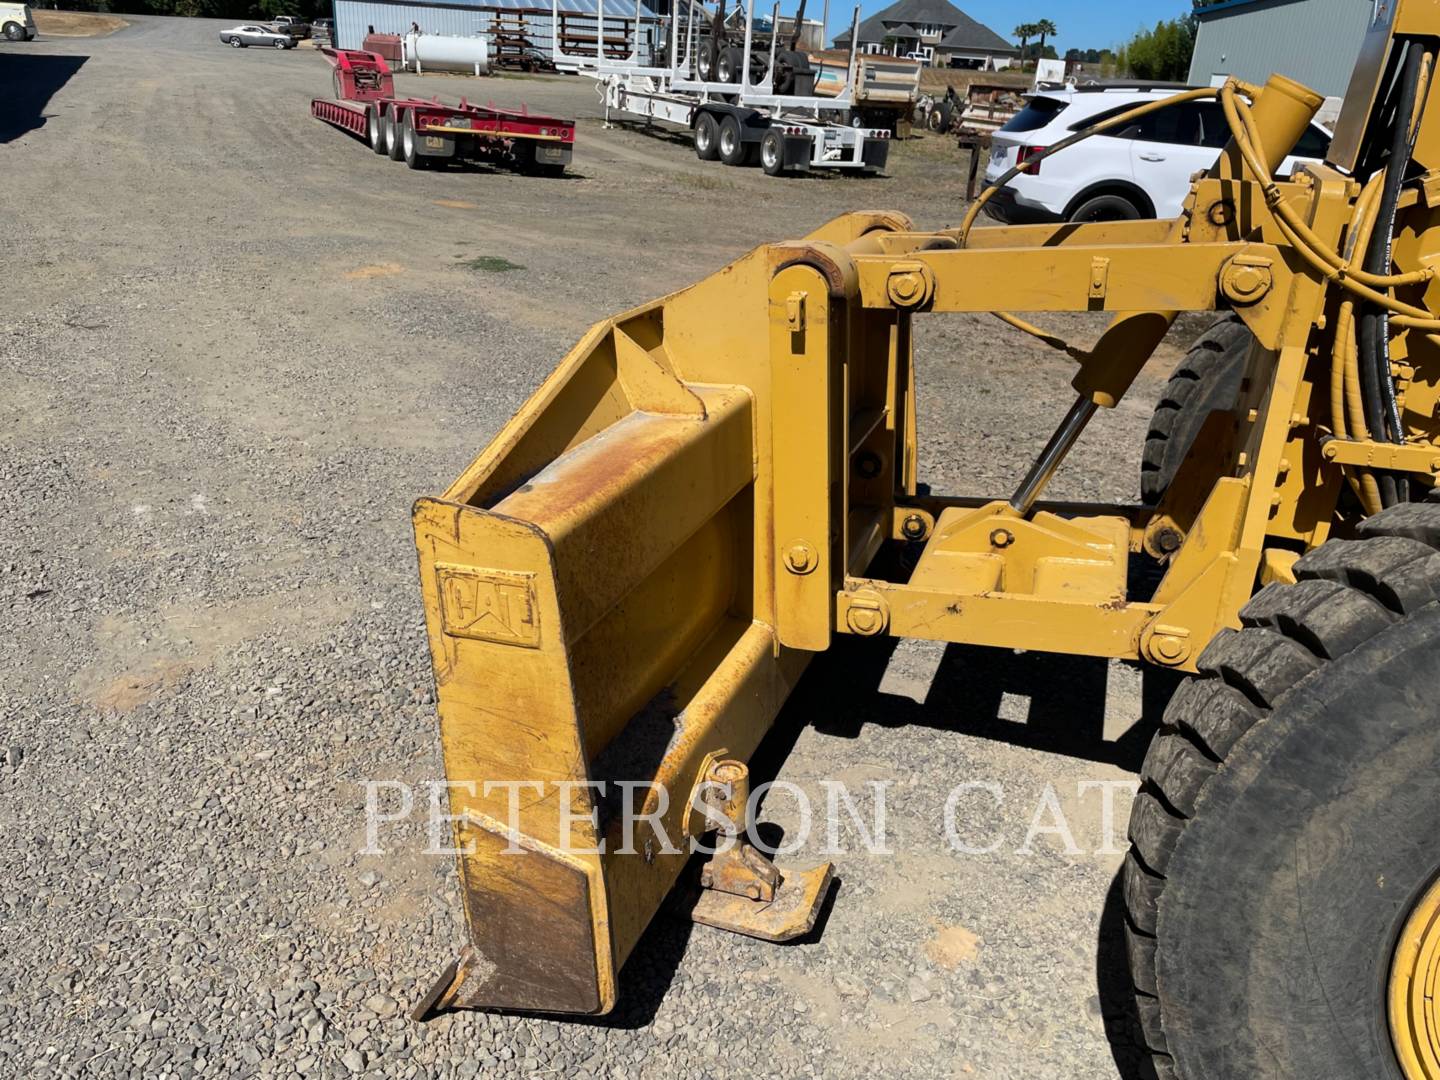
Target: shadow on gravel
[(27, 83), (1066, 715), (1117, 993)]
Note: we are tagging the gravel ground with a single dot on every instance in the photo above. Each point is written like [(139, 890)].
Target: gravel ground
[(235, 347)]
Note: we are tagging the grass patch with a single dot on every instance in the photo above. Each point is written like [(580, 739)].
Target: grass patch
[(76, 23), (489, 264)]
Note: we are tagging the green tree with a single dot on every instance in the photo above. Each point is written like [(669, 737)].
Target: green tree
[(1161, 54), (1045, 28), (1025, 31)]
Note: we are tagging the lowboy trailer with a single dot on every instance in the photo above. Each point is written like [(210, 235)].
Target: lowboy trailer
[(425, 133)]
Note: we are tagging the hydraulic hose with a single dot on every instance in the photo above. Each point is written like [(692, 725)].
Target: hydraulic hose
[(1382, 405)]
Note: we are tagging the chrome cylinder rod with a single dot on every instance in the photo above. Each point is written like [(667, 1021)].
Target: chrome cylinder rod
[(1053, 454)]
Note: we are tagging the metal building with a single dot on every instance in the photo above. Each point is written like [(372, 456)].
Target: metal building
[(353, 18), (1312, 41)]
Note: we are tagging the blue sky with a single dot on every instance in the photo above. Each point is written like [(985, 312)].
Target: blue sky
[(1095, 25)]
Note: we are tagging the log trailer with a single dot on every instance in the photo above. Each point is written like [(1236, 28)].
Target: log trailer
[(743, 104), (714, 487), (424, 133)]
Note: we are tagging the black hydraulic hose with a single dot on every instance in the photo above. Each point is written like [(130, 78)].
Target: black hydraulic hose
[(1382, 411)]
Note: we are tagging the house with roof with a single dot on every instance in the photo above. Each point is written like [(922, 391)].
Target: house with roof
[(935, 31)]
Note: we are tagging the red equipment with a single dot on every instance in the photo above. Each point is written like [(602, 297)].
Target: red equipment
[(423, 133)]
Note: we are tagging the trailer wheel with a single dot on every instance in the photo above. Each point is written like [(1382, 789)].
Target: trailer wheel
[(1281, 887), (236, 43), (375, 128), (393, 148), (408, 148), (728, 68), (772, 153), (707, 137), (732, 146)]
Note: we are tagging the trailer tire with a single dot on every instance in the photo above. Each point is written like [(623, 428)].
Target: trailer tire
[(409, 149), (707, 137), (375, 128), (732, 145), (728, 68), (772, 153), (1283, 839), (393, 148)]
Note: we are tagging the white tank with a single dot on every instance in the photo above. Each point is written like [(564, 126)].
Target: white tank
[(440, 52)]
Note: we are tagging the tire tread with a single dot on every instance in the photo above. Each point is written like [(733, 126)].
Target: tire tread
[(1346, 592)]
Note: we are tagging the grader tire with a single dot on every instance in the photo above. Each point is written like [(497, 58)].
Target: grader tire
[(1208, 378), (1285, 827)]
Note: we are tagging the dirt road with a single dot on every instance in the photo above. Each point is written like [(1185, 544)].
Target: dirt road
[(235, 347)]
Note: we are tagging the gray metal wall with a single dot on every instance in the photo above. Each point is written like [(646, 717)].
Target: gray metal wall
[(352, 17), (1312, 41)]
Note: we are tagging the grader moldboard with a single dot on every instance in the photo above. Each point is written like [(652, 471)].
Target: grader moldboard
[(633, 575)]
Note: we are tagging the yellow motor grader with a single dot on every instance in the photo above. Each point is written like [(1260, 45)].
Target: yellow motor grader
[(626, 584)]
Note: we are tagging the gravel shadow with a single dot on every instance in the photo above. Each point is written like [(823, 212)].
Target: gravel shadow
[(27, 83)]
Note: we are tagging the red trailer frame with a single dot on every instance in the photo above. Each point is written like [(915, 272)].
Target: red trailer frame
[(422, 133)]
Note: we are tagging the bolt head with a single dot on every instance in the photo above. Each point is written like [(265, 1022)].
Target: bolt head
[(1170, 648), (913, 527), (1001, 538), (905, 286), (800, 558)]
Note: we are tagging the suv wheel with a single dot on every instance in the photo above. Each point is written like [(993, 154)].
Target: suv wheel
[(1106, 208)]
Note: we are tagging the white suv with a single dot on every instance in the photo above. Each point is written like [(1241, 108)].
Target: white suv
[(1142, 170)]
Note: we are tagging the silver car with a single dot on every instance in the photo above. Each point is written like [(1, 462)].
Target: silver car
[(240, 37)]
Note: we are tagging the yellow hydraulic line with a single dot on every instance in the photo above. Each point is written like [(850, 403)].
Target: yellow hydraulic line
[(1311, 247), (1105, 125), (1359, 228), (1044, 335), (1055, 341), (1345, 360)]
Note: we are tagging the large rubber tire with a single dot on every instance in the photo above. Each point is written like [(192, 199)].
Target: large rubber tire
[(1106, 208), (375, 128), (1287, 819), (394, 148), (772, 153), (732, 146), (1208, 378), (707, 137)]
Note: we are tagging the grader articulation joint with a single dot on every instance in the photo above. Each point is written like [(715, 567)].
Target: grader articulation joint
[(624, 587)]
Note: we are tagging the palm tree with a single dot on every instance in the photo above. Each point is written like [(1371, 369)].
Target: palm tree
[(1045, 28), (1025, 31)]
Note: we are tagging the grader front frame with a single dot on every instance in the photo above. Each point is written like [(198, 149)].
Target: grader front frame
[(624, 587)]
